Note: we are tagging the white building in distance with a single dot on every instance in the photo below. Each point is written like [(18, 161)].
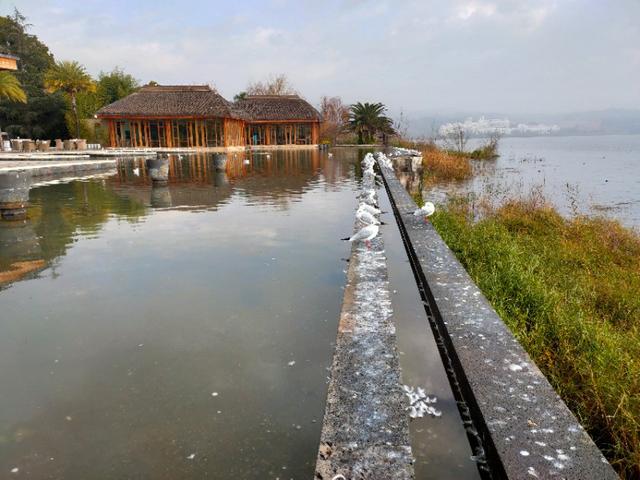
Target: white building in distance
[(484, 127)]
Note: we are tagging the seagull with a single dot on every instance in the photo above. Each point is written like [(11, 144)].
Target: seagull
[(268, 155), (330, 154), (366, 217), (363, 207), (369, 196), (368, 165), (426, 211), (136, 171), (384, 160), (369, 171), (369, 177), (365, 234), (368, 161), (246, 162)]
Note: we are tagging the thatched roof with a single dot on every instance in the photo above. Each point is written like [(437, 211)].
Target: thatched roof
[(173, 100), (277, 108)]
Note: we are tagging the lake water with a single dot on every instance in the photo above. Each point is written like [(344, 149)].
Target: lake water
[(588, 174), (174, 332)]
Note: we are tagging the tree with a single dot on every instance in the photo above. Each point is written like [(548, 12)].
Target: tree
[(275, 85), (239, 96), (368, 120), (455, 137), (70, 78), (43, 114), (115, 85), (10, 88), (335, 118)]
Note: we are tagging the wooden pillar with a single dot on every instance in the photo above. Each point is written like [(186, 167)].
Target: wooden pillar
[(167, 133), (315, 133), (196, 136), (112, 133)]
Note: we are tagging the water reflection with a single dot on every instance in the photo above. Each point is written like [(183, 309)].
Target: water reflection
[(152, 300)]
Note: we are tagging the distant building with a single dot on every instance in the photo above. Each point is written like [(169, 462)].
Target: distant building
[(502, 126), (195, 116), (8, 62)]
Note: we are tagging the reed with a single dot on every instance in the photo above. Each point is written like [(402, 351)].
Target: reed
[(442, 166)]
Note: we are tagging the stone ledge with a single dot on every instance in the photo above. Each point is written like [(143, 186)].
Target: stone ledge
[(526, 429)]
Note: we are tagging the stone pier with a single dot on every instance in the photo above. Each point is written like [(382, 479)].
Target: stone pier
[(365, 433)]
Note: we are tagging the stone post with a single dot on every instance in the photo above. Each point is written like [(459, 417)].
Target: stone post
[(220, 161), (158, 170), (14, 195)]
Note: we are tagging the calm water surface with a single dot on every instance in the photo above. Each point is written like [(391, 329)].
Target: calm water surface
[(176, 332), (589, 174)]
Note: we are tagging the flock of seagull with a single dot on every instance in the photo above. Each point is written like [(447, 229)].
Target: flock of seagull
[(368, 212)]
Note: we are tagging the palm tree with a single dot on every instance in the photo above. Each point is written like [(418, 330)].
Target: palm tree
[(10, 88), (70, 78), (368, 119)]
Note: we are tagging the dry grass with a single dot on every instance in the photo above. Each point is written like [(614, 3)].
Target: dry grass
[(442, 166)]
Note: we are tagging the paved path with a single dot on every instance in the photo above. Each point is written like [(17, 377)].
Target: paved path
[(55, 167)]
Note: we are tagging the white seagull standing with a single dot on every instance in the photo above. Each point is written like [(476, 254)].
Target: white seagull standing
[(426, 211), (363, 207), (369, 196), (366, 217), (365, 234)]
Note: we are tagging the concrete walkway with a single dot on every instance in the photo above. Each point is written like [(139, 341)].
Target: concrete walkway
[(40, 168)]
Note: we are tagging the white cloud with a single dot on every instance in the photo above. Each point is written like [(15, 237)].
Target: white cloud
[(470, 9)]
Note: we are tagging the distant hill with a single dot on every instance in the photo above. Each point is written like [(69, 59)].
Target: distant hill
[(604, 122)]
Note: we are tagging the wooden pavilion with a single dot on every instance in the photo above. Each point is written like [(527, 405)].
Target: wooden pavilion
[(195, 116), (173, 116), (280, 120)]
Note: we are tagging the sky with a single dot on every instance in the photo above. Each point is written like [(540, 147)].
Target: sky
[(510, 56)]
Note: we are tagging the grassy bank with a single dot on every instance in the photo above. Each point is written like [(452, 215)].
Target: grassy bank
[(569, 290)]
